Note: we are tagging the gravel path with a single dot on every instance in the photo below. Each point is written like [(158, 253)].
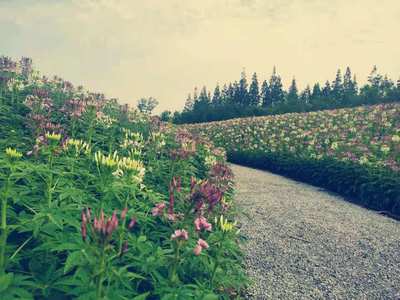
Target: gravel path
[(305, 243)]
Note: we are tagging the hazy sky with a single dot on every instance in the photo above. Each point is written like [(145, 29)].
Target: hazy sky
[(163, 48)]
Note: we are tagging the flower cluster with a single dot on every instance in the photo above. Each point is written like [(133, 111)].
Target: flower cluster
[(202, 223), (366, 135), (201, 244), (13, 153), (120, 165), (101, 228), (78, 145), (180, 234)]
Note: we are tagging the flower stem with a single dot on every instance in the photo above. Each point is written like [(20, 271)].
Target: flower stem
[(3, 241), (50, 181), (99, 284)]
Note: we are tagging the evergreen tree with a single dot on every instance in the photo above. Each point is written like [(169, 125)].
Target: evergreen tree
[(236, 93), (231, 93), (386, 86), (349, 87), (327, 90), (242, 92), (337, 89), (225, 94), (195, 96), (375, 78), (204, 96), (275, 86), (254, 93), (305, 96), (217, 98), (292, 96), (265, 94), (373, 92), (316, 92)]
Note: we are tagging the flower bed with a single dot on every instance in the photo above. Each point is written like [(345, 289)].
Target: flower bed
[(100, 202), (355, 152)]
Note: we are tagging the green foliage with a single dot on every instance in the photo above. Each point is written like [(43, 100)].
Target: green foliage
[(238, 100), (93, 194)]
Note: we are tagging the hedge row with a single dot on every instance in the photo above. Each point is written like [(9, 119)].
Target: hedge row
[(374, 188)]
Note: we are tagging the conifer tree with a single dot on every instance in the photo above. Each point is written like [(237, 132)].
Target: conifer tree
[(231, 93), (242, 90), (316, 92), (292, 96), (375, 78), (217, 98), (204, 96), (327, 90), (337, 89), (275, 86), (349, 86), (254, 93), (225, 94), (236, 93), (305, 96), (265, 94)]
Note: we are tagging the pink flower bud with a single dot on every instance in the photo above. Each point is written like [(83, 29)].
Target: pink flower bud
[(197, 250), (180, 234), (203, 244), (88, 213), (123, 213), (83, 217), (84, 232)]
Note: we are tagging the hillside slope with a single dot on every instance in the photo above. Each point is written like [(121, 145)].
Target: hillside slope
[(354, 151)]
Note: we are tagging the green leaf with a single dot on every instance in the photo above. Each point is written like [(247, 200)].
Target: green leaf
[(142, 239), (74, 259), (210, 297), (141, 296), (5, 281)]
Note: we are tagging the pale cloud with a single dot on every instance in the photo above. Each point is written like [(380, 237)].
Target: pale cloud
[(163, 48)]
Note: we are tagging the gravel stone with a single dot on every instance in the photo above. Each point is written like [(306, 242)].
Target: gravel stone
[(305, 243)]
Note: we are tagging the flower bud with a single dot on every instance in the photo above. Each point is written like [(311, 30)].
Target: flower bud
[(123, 213)]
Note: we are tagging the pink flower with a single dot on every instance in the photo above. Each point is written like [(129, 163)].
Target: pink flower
[(202, 223), (158, 209), (171, 217), (201, 244), (197, 250), (180, 234)]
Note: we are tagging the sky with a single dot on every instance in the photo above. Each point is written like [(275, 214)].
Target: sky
[(164, 48)]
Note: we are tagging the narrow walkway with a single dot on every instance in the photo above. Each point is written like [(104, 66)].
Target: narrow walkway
[(305, 243)]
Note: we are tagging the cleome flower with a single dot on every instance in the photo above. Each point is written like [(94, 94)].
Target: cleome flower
[(158, 210), (180, 234), (13, 153), (201, 244), (224, 224), (53, 136), (202, 223), (110, 161), (79, 146)]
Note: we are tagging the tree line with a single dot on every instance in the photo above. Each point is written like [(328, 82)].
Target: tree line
[(242, 98)]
